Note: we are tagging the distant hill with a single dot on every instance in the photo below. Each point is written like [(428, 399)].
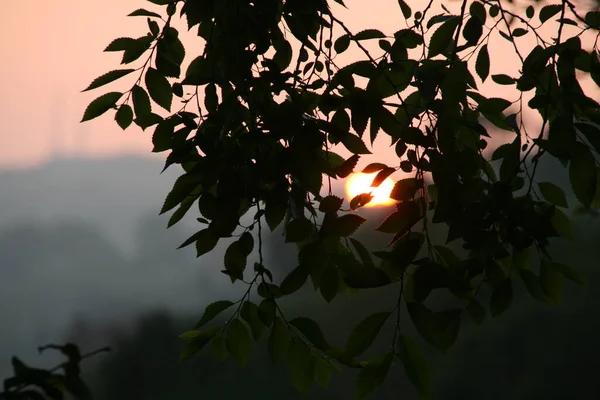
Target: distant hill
[(112, 192)]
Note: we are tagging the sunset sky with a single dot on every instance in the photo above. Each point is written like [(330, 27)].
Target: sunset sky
[(52, 50)]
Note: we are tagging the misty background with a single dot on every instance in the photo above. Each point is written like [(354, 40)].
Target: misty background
[(85, 257)]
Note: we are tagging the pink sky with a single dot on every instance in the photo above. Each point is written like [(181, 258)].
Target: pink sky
[(52, 50)]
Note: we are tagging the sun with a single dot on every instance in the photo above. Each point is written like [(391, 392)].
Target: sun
[(361, 183)]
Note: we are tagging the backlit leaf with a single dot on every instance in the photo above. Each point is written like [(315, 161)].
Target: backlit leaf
[(311, 330), (347, 224), (415, 364), (294, 280), (553, 194), (482, 64), (363, 335), (159, 88), (101, 105), (279, 340), (211, 311), (107, 78), (143, 13), (298, 230), (124, 116), (369, 34), (549, 11), (442, 37), (238, 341), (501, 298), (141, 101), (582, 175)]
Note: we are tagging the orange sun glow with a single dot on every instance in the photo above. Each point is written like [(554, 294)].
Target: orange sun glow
[(361, 183)]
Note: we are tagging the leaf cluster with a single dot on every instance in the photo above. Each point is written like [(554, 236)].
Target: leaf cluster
[(265, 105)]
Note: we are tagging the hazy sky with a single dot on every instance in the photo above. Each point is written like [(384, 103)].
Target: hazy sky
[(52, 50)]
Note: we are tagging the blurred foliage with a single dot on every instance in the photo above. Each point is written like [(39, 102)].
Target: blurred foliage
[(264, 104), (29, 383)]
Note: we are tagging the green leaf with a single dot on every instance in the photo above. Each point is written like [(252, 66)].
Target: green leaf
[(347, 224), (211, 311), (198, 342), (442, 37), (101, 105), (363, 335), (183, 187), (124, 116), (159, 88), (518, 32), (363, 253), (530, 12), (374, 167), (476, 311), (549, 11), (354, 144), (473, 30), (329, 283), (582, 175), (565, 270), (120, 44), (347, 166), (482, 64), (205, 241), (369, 34), (136, 49), (439, 329), (533, 285), (322, 371), (342, 43), (477, 10), (592, 18), (591, 132), (330, 204), (162, 2), (501, 298), (360, 200), (382, 176), (266, 311), (238, 341), (562, 224), (283, 54), (553, 194), (401, 220), (294, 280), (153, 26), (279, 340), (211, 100), (107, 78), (249, 312), (299, 366), (372, 376), (494, 10), (235, 260), (551, 282), (298, 230), (140, 12), (162, 139), (219, 347), (141, 102), (406, 11), (416, 365), (311, 330), (405, 189), (503, 79)]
